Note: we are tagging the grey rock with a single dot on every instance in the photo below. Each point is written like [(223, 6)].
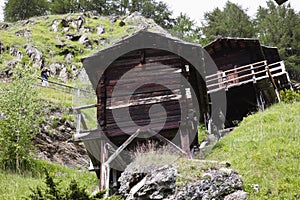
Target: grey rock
[(2, 116), (54, 26), (2, 47), (66, 29), (69, 57), (73, 37), (78, 24), (25, 32), (55, 69), (35, 55), (64, 23), (83, 39), (157, 183), (3, 26), (63, 74), (238, 195), (29, 21), (11, 65), (100, 29), (113, 20), (12, 51), (19, 55), (214, 185)]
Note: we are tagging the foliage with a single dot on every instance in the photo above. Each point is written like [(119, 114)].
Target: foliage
[(232, 21), (99, 6), (158, 11), (280, 26), (265, 150), (289, 96), (15, 10), (202, 133), (64, 6), (185, 28), (16, 186), (54, 191), (21, 117)]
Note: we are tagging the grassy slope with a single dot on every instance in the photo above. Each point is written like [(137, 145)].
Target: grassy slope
[(265, 149), (45, 39)]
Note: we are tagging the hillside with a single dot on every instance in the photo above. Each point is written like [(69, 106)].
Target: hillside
[(59, 42), (265, 150)]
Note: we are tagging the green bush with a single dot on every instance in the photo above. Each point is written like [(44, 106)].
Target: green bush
[(289, 96), (202, 133), (21, 117), (52, 190)]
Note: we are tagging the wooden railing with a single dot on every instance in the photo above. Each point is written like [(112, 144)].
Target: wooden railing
[(82, 131), (243, 74)]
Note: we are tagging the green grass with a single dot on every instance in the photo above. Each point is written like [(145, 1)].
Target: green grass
[(55, 96), (148, 155), (265, 149), (15, 186)]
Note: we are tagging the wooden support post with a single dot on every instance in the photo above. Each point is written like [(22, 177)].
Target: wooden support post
[(103, 170), (184, 133), (185, 141), (106, 165), (114, 173), (274, 84), (162, 138)]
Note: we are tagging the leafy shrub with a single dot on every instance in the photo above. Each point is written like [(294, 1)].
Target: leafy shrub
[(202, 133), (54, 191), (289, 96), (21, 117)]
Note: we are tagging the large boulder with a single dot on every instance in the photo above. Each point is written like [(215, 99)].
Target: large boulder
[(35, 55), (154, 183), (216, 184)]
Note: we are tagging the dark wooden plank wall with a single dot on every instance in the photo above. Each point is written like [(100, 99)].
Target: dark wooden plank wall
[(228, 58), (148, 60)]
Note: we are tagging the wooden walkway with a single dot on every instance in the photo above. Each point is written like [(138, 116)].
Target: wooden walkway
[(243, 75)]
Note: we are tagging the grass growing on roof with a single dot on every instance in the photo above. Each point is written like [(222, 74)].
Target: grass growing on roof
[(265, 149)]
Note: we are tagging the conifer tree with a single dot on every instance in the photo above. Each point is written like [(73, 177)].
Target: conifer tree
[(15, 10)]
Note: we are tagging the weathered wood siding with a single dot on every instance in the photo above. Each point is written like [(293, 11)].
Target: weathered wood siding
[(170, 68)]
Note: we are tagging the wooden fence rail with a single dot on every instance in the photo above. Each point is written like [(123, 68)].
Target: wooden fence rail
[(243, 74)]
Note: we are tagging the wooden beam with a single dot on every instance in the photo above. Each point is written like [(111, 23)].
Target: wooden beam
[(106, 165), (162, 138), (122, 147)]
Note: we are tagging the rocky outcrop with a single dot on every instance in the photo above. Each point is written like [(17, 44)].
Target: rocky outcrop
[(216, 184), (157, 183), (23, 33), (59, 43), (154, 182), (54, 142), (35, 55)]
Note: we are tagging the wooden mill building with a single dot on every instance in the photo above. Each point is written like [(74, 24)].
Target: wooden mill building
[(251, 74), (170, 74)]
